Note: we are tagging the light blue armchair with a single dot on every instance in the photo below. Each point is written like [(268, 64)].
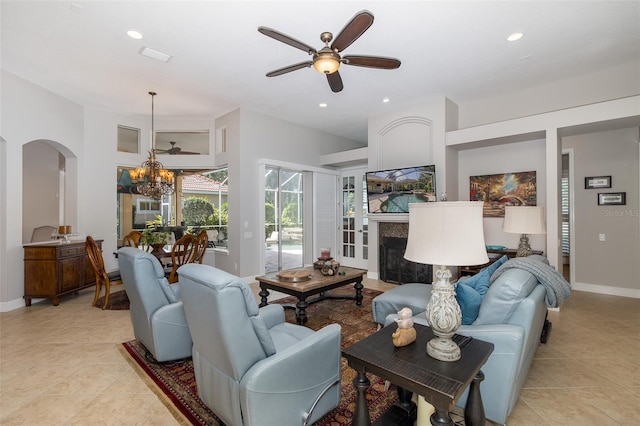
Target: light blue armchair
[(156, 310), (252, 367)]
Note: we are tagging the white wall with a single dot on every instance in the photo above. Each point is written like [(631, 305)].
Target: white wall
[(87, 138), (615, 262), (252, 136), (413, 135), (592, 87), (514, 157), (40, 186), (98, 210), (28, 113)]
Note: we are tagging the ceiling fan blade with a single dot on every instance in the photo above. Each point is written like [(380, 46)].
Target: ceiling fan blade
[(269, 32), (372, 62), (354, 29), (335, 82), (181, 152), (289, 68)]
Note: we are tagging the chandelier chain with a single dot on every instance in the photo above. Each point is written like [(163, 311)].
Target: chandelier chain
[(151, 179)]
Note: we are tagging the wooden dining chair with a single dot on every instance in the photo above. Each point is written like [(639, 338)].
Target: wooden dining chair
[(43, 233), (132, 239), (202, 242), (102, 277), (182, 252)]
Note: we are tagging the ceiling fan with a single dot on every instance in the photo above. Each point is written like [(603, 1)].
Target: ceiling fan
[(175, 150), (327, 60)]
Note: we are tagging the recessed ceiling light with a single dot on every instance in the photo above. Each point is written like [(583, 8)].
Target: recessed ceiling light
[(385, 100), (515, 37), (154, 54), (322, 105), (134, 34)]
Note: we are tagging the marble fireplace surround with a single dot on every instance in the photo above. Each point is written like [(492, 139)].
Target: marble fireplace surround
[(386, 225)]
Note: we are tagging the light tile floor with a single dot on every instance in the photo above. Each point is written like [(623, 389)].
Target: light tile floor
[(61, 365)]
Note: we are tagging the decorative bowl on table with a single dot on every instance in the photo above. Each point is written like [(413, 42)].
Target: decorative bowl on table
[(330, 267), (318, 264)]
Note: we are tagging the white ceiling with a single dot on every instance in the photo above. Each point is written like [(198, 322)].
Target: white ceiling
[(80, 50)]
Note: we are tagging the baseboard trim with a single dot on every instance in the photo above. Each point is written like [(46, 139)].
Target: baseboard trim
[(605, 289), (13, 304)]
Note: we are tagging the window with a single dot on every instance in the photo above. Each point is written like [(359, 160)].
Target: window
[(564, 189), (182, 142), (148, 206), (128, 139), (199, 203)]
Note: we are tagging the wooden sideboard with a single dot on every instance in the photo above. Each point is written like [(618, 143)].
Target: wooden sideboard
[(54, 269)]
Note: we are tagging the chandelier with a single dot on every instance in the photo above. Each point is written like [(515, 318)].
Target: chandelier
[(151, 179)]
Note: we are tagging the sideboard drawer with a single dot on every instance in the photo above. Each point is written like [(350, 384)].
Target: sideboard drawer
[(71, 251)]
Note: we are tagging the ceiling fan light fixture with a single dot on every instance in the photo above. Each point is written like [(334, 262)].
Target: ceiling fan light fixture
[(326, 62)]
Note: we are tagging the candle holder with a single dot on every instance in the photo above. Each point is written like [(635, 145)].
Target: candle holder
[(64, 231)]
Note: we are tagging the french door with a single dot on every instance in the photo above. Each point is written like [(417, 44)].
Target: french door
[(354, 226)]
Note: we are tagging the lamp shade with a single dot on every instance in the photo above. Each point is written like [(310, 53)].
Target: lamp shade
[(446, 233), (524, 220)]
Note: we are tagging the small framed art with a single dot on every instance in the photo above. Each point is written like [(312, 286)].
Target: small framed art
[(592, 182), (612, 198)]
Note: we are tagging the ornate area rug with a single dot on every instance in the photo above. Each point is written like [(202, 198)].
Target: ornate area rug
[(175, 383), (118, 301)]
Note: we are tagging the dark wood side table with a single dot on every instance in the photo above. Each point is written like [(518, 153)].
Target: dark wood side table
[(412, 370), (494, 255)]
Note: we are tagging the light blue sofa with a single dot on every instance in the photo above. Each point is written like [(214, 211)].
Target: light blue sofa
[(252, 367), (155, 307), (511, 316)]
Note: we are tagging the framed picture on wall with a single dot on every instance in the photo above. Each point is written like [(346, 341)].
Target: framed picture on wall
[(592, 182), (612, 198), (505, 189)]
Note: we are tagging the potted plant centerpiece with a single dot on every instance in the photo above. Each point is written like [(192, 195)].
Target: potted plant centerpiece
[(154, 236)]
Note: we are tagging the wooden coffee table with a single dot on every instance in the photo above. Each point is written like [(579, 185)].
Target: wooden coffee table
[(317, 284), (412, 370)]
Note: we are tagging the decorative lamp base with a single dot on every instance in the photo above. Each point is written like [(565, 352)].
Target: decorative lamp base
[(444, 318), (443, 349), (524, 249)]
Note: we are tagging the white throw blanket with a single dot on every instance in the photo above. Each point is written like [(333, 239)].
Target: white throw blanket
[(557, 288)]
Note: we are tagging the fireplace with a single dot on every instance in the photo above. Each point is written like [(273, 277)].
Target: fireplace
[(393, 267)]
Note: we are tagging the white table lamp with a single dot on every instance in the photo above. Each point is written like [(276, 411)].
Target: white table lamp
[(445, 233), (524, 220)]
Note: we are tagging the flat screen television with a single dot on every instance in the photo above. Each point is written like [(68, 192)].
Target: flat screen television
[(391, 191)]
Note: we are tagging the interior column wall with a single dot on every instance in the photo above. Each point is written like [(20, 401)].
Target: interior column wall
[(612, 265)]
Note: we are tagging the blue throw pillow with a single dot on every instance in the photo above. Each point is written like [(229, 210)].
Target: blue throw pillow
[(495, 265), (469, 300), (481, 281)]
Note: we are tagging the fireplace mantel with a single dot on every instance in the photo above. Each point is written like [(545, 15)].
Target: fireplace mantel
[(389, 217)]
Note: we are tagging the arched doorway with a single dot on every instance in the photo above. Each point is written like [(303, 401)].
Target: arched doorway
[(49, 186)]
